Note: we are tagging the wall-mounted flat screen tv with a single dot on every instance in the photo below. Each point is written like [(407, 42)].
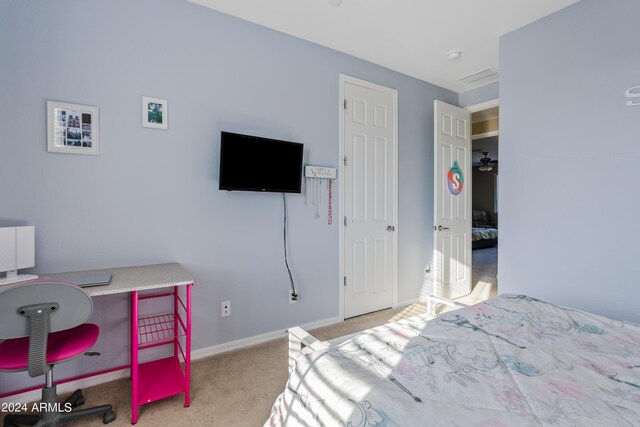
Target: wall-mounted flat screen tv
[(251, 163)]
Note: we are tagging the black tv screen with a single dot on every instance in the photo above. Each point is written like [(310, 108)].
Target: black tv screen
[(251, 163)]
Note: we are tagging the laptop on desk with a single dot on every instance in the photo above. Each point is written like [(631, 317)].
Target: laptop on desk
[(87, 279)]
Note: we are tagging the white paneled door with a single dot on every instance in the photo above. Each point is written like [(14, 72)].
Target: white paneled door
[(452, 201), (370, 197)]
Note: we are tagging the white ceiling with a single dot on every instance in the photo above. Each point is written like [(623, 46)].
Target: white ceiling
[(409, 36)]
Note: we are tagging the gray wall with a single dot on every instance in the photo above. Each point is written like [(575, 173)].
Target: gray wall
[(570, 234), (481, 94), (151, 196)]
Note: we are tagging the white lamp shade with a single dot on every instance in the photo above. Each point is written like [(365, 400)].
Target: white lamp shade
[(17, 248), (25, 247), (7, 249)]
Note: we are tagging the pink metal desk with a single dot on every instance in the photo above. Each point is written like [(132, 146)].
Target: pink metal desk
[(161, 378)]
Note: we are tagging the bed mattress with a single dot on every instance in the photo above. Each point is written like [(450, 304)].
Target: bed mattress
[(483, 233), (509, 361)]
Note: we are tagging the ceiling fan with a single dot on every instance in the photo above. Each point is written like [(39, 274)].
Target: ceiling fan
[(486, 164)]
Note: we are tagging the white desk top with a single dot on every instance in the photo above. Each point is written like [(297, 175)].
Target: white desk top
[(129, 279)]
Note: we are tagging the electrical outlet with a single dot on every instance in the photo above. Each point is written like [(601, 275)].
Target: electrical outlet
[(225, 308), (292, 300)]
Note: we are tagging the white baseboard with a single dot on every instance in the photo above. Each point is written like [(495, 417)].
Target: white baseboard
[(257, 339), (410, 301), (35, 395)]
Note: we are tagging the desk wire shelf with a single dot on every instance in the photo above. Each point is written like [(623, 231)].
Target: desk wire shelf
[(158, 330)]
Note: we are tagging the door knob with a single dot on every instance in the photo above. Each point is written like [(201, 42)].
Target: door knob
[(391, 228), (440, 228)]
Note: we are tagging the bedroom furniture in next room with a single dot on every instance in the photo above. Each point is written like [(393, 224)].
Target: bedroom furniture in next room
[(483, 237), (509, 361), (484, 233), (42, 324)]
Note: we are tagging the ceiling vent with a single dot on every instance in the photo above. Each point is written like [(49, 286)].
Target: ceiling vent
[(483, 76)]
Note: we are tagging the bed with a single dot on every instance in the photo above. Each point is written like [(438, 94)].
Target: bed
[(483, 237), (484, 234), (509, 361)]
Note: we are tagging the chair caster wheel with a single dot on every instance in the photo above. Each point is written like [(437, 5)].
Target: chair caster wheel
[(108, 417)]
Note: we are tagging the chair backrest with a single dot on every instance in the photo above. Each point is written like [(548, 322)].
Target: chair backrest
[(35, 309)]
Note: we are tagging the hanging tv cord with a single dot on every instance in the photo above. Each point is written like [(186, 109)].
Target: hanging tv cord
[(294, 295)]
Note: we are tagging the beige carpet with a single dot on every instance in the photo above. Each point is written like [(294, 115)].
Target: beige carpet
[(231, 389), (484, 276), (239, 387)]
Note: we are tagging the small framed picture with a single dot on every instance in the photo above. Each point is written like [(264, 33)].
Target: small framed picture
[(155, 113), (72, 128)]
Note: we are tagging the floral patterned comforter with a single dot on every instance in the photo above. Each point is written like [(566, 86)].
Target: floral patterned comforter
[(483, 233), (508, 362)]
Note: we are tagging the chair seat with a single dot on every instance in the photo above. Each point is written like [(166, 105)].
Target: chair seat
[(61, 345)]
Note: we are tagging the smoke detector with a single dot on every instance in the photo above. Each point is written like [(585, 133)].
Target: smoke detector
[(454, 54)]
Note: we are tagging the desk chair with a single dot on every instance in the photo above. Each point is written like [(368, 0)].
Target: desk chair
[(42, 324)]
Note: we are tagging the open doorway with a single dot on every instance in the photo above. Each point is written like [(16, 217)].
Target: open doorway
[(485, 225), (461, 273)]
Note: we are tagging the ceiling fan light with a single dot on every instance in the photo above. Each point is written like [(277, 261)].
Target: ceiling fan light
[(485, 163)]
